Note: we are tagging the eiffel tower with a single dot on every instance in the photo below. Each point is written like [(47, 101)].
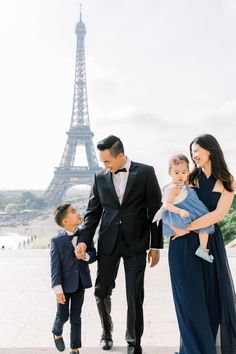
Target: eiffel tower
[(79, 134)]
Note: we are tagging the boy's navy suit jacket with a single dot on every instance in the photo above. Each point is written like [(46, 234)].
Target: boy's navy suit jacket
[(66, 269)]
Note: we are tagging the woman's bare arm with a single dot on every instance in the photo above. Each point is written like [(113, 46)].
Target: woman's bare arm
[(216, 215), (213, 217)]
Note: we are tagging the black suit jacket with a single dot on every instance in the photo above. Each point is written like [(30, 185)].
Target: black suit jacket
[(142, 198)]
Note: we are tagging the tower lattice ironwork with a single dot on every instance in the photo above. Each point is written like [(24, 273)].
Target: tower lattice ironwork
[(79, 134)]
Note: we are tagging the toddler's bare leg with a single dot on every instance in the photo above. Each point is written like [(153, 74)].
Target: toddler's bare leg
[(203, 238)]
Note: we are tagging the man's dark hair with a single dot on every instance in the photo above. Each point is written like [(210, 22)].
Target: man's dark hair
[(60, 213), (112, 143)]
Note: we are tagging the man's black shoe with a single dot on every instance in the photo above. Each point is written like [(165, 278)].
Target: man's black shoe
[(59, 343), (133, 350), (106, 343)]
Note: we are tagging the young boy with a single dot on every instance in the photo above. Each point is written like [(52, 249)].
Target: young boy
[(69, 276)]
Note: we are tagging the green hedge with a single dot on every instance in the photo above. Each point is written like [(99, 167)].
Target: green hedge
[(228, 224)]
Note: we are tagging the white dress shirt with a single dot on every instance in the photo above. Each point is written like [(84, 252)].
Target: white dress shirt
[(120, 180)]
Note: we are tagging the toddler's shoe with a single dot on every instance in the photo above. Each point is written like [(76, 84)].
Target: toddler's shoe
[(203, 253)]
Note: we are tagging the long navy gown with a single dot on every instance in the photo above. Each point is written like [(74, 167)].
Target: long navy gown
[(203, 292)]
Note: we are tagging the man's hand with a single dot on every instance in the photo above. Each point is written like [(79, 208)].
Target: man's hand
[(179, 232), (61, 298), (153, 257), (80, 250)]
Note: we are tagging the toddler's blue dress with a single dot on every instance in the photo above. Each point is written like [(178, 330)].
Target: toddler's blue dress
[(187, 200)]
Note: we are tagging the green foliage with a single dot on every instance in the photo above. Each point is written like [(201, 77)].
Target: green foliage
[(228, 224), (2, 202), (11, 208), (233, 207), (26, 200)]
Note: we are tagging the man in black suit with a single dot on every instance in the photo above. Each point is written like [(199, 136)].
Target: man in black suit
[(125, 197)]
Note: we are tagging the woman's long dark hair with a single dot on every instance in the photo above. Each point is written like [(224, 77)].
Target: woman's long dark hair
[(219, 167)]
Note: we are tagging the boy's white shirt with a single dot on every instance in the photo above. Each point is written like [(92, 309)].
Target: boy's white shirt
[(58, 288)]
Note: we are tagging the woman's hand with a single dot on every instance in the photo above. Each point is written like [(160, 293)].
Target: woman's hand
[(179, 232)]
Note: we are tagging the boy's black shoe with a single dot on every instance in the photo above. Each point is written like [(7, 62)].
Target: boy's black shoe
[(59, 343)]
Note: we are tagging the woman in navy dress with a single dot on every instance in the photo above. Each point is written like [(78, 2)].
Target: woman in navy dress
[(203, 292)]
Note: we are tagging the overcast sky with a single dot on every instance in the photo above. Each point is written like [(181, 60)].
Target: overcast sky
[(159, 73)]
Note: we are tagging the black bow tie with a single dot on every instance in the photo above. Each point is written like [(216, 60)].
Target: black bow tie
[(71, 237), (75, 234), (121, 170)]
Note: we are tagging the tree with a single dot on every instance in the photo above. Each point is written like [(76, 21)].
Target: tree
[(2, 202), (228, 224), (29, 201), (26, 199), (11, 208)]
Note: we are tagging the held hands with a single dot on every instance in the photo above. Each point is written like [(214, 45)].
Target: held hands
[(61, 298), (153, 257), (81, 256), (80, 250), (183, 213)]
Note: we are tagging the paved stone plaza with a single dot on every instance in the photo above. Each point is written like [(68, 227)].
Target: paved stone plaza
[(28, 307)]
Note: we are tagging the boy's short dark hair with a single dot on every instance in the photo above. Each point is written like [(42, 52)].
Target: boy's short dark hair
[(60, 213), (112, 143)]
